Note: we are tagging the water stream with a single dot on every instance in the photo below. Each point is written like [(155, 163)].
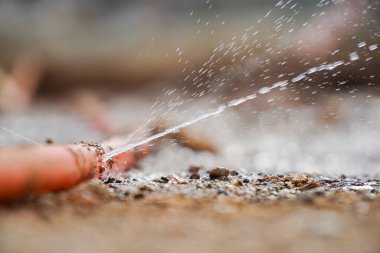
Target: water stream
[(220, 109)]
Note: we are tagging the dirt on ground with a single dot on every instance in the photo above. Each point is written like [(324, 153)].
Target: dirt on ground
[(218, 210)]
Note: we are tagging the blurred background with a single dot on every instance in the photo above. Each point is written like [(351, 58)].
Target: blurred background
[(87, 70)]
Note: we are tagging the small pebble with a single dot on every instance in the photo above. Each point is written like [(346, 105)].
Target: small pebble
[(219, 173), (234, 173), (238, 183), (109, 180), (195, 176), (164, 180), (177, 179)]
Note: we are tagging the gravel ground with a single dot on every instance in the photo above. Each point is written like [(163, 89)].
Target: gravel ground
[(239, 212)]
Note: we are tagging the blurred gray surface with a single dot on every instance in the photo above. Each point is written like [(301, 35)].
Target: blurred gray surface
[(295, 139)]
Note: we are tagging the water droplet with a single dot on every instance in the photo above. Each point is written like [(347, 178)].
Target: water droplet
[(361, 44), (264, 90), (354, 56), (298, 78), (372, 47)]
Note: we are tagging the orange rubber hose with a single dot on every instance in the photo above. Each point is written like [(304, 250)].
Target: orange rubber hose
[(50, 168)]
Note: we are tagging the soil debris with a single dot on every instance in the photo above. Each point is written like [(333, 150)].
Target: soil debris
[(238, 183), (193, 142), (219, 173), (186, 139), (234, 173), (246, 180), (312, 184), (162, 180), (177, 179), (195, 176), (300, 181), (248, 187), (247, 203)]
